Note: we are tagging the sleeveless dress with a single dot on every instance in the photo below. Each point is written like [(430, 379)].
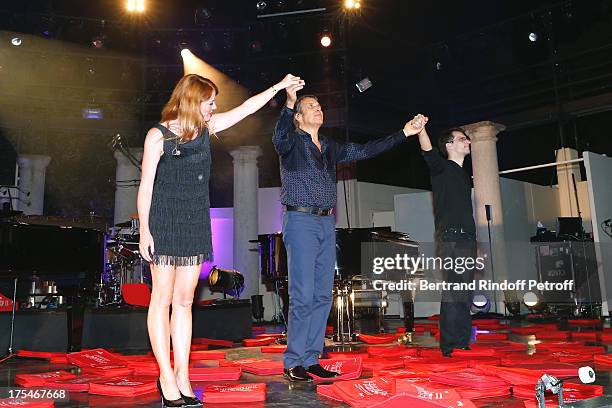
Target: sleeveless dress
[(179, 218)]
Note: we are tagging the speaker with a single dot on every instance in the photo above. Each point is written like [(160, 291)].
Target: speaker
[(257, 306), (569, 260), (8, 162)]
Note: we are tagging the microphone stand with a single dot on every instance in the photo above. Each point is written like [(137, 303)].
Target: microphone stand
[(9, 354), (488, 213)]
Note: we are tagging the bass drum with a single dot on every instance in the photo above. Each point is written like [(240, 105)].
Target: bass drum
[(273, 257)]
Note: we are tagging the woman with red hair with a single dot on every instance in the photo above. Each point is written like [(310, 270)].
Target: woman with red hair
[(174, 212)]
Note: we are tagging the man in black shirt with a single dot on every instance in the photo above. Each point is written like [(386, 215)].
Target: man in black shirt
[(455, 231)]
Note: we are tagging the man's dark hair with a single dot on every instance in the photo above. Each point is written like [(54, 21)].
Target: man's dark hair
[(298, 105), (447, 137)]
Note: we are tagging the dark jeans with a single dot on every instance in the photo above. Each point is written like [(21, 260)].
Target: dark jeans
[(455, 318)]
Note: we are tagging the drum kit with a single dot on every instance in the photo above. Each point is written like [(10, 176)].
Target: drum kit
[(353, 293), (123, 263)]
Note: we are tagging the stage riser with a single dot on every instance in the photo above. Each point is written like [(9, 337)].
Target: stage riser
[(40, 331), (122, 329)]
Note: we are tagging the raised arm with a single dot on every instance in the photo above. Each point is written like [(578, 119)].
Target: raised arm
[(153, 148), (281, 138), (221, 121), (432, 157), (356, 151)]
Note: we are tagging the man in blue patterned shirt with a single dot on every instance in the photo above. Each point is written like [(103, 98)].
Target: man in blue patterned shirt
[(308, 176)]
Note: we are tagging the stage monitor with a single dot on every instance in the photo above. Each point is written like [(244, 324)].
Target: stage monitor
[(569, 226)]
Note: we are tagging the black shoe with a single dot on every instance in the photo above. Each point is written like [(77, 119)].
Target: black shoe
[(297, 373), (169, 403), (447, 354), (319, 371), (191, 401), (464, 348)]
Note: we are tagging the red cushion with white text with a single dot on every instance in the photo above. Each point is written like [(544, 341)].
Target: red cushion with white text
[(214, 373), (124, 386), (348, 369), (39, 380), (252, 392)]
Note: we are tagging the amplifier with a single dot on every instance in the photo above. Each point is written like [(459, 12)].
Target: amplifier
[(569, 260)]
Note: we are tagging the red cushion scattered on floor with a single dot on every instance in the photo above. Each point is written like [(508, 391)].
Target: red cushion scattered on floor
[(434, 317), (426, 395), (212, 342), (403, 373), (477, 361), (78, 384), (554, 335), (474, 353), (59, 359), (561, 370), (512, 375), (344, 355), (276, 348), (123, 386), (35, 354), (214, 373), (348, 369), (469, 378), (207, 355), (144, 367), (569, 357), (435, 364), (38, 380), (328, 392), (605, 337), (491, 336), (96, 358), (15, 402), (366, 392), (258, 329), (511, 359), (570, 390), (584, 322), (603, 359), (264, 368), (560, 345), (199, 347), (234, 393), (475, 393), (264, 341), (377, 363), (273, 335), (586, 336), (392, 351), (382, 338)]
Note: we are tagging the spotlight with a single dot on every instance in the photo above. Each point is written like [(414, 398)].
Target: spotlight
[(326, 39), (480, 303), (533, 36), (16, 41), (135, 6), (202, 14), (352, 4), (261, 5), (530, 299), (186, 53), (226, 281)]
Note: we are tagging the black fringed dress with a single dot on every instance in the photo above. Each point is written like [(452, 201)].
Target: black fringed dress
[(179, 218)]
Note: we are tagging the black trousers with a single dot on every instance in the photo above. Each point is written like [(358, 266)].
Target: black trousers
[(455, 318)]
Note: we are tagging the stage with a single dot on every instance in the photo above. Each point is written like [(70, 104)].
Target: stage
[(280, 393)]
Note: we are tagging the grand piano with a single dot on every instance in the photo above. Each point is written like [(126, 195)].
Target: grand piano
[(69, 252)]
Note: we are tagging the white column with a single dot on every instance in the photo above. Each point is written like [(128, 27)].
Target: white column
[(487, 191), (566, 174), (246, 184), (127, 177), (32, 174)]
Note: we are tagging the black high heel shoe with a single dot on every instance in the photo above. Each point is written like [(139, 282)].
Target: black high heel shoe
[(191, 402), (170, 403)]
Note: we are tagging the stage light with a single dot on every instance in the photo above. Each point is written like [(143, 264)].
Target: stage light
[(261, 5), (16, 41), (186, 53), (364, 84), (530, 299), (135, 6), (97, 42), (480, 303), (326, 39), (352, 5), (533, 36), (226, 281)]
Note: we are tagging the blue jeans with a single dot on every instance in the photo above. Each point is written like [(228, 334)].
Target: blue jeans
[(311, 256)]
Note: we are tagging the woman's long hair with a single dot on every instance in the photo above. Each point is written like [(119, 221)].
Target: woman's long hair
[(184, 104)]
